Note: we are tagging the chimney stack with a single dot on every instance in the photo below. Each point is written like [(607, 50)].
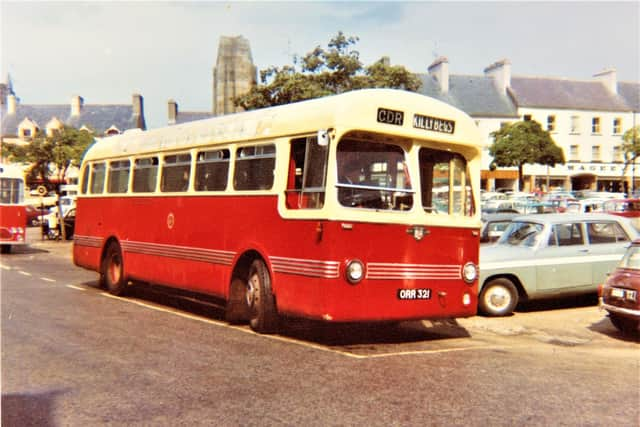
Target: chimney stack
[(609, 78), (501, 73), (76, 105), (12, 104), (173, 112), (138, 110), (439, 69)]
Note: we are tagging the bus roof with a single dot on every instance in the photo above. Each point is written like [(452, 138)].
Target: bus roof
[(357, 110)]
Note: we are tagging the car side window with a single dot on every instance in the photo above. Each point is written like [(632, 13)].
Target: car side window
[(568, 234), (605, 232)]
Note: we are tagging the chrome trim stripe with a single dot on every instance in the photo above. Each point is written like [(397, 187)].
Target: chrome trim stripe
[(621, 310), (383, 270), (306, 267), (179, 252), (90, 241)]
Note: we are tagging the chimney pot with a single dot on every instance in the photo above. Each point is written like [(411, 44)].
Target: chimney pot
[(76, 105), (173, 111), (439, 69)]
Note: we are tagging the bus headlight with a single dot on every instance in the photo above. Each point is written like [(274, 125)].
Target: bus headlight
[(354, 271), (469, 272)]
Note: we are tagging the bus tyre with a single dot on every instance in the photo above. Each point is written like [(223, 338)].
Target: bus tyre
[(263, 317), (112, 273), (237, 310), (499, 297), (5, 249)]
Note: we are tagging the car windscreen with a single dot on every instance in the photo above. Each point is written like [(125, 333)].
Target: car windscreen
[(522, 233), (631, 258)]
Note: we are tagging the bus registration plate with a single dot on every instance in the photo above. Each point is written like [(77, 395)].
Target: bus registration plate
[(413, 294)]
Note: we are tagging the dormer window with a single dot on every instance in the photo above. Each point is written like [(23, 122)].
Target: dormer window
[(27, 129), (53, 127), (112, 131)]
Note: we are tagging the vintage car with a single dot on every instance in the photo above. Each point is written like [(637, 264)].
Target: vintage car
[(629, 208), (620, 293), (494, 224), (550, 255)]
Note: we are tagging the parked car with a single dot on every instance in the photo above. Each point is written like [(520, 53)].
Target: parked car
[(51, 226), (494, 224), (550, 255), (620, 293), (629, 208), (34, 214)]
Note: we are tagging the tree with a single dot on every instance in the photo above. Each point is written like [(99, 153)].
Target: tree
[(323, 72), (56, 153), (630, 147), (516, 144)]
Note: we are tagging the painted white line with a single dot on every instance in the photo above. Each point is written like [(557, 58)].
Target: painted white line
[(77, 288), (24, 273), (46, 279), (289, 340), (5, 267)]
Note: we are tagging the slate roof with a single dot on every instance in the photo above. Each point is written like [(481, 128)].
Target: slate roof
[(97, 117), (475, 95), (540, 92), (630, 92), (191, 116)]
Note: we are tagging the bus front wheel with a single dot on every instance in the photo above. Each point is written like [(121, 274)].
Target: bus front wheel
[(263, 316), (112, 271)]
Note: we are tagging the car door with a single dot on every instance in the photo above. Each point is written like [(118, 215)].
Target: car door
[(607, 244), (564, 262)]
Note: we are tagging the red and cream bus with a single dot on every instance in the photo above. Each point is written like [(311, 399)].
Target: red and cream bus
[(350, 208), (13, 214)]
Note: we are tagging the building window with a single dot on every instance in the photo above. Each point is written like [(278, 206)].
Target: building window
[(527, 117), (617, 126), (617, 154), (551, 123), (575, 124), (573, 153), (595, 125), (26, 133), (595, 153)]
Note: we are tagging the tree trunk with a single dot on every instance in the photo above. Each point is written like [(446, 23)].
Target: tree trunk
[(520, 178)]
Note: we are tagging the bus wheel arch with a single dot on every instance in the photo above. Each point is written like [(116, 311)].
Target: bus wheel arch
[(500, 295), (251, 296), (112, 276)]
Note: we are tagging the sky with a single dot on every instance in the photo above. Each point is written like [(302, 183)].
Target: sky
[(105, 51)]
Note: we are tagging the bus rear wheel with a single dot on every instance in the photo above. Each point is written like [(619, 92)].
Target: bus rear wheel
[(112, 272), (263, 316)]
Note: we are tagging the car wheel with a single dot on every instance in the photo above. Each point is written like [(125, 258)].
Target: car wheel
[(112, 271), (499, 297), (263, 316), (624, 324)]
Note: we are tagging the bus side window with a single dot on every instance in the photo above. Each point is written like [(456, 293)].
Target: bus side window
[(97, 178), (85, 179), (145, 175), (175, 173), (118, 180), (254, 167), (307, 174), (212, 170)]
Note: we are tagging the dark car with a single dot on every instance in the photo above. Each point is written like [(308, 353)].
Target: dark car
[(51, 227), (34, 214), (620, 293)]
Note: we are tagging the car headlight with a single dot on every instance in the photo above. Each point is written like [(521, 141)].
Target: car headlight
[(469, 272), (354, 271)]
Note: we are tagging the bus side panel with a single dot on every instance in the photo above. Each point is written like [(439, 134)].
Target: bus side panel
[(13, 224)]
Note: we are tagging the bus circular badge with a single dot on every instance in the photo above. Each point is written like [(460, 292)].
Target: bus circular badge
[(170, 220)]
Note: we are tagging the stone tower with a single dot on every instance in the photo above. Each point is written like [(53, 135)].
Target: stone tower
[(233, 75)]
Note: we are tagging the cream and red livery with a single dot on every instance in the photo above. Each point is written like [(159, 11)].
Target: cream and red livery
[(13, 214), (356, 207)]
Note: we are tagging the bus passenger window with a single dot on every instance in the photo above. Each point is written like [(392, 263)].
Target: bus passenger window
[(175, 173), (145, 174), (118, 181), (445, 183), (254, 167), (85, 179), (212, 170), (307, 174), (97, 178)]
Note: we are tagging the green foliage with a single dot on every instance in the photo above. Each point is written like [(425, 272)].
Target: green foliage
[(631, 144), (519, 143), (57, 153), (323, 72)]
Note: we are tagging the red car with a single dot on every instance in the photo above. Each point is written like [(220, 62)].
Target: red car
[(33, 215), (629, 208), (620, 293)]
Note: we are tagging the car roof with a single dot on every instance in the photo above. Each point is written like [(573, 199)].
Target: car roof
[(567, 217)]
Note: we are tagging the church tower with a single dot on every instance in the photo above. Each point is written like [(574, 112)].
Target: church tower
[(233, 75)]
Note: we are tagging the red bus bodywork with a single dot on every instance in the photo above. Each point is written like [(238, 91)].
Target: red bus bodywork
[(197, 241), (13, 223)]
